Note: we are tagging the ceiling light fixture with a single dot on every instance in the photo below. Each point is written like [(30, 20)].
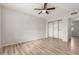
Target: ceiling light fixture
[(43, 11)]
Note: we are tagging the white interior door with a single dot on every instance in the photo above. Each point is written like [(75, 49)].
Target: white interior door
[(60, 30), (55, 29), (50, 29)]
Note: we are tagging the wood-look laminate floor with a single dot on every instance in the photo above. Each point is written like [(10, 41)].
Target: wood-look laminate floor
[(43, 47)]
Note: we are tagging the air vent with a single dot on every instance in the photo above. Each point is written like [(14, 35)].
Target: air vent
[(73, 13)]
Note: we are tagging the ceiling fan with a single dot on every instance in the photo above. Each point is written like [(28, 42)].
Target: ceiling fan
[(45, 9)]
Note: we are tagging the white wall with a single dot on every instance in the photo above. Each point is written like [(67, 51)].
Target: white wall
[(0, 26), (65, 29), (19, 27), (69, 28)]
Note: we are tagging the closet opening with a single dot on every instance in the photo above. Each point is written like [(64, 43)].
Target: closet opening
[(55, 29)]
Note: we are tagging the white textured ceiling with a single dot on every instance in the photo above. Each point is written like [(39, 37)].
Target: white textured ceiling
[(61, 9)]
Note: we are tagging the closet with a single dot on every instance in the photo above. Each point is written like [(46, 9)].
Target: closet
[(55, 29)]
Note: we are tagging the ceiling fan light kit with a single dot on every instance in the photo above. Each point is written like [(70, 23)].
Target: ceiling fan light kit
[(43, 11)]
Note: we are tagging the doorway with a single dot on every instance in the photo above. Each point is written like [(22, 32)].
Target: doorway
[(73, 31)]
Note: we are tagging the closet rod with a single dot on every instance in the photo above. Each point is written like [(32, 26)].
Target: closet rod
[(54, 21)]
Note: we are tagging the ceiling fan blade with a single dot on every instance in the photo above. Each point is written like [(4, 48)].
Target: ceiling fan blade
[(47, 12), (37, 9), (51, 8), (45, 6), (40, 12)]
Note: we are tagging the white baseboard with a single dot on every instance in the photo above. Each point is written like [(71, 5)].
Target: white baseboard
[(19, 42)]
